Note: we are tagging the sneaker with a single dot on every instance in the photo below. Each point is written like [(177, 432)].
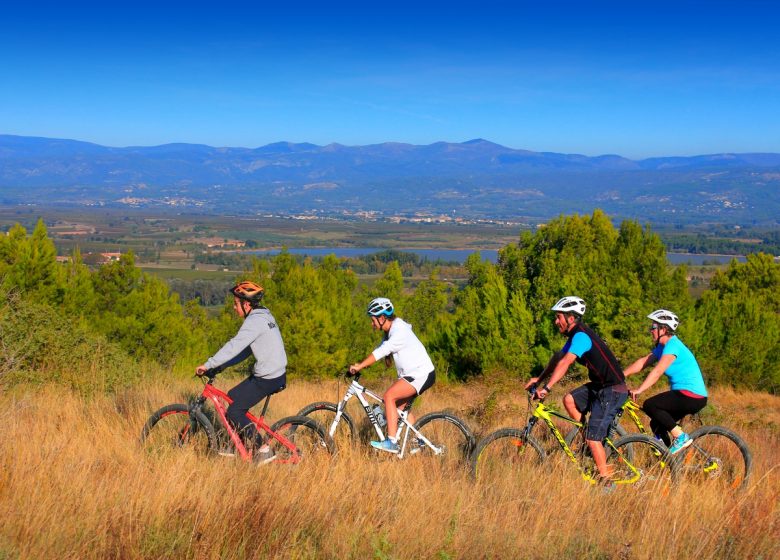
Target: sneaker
[(263, 457), (386, 445), (607, 487), (680, 442), (416, 446)]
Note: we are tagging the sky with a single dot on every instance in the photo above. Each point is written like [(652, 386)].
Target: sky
[(634, 78)]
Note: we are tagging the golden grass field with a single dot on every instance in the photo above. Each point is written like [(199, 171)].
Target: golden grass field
[(74, 483)]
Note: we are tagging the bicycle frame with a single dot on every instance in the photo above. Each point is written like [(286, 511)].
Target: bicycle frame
[(221, 400), (631, 408), (355, 389), (546, 414)]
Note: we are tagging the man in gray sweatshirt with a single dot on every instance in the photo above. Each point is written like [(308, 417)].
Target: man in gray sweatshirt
[(258, 335)]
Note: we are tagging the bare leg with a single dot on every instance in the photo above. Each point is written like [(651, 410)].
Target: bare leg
[(398, 393), (600, 457), (571, 408)]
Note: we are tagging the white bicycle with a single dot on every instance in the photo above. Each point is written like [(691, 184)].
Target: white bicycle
[(438, 434)]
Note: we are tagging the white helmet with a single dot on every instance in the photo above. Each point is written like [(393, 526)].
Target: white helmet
[(380, 306), (570, 304), (665, 317)]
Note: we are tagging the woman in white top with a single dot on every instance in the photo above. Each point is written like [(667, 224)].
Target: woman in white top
[(415, 368)]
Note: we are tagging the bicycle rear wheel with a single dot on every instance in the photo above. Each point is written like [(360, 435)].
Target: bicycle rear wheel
[(325, 414), (716, 455), (506, 455), (642, 461), (305, 440), (448, 433), (175, 427)]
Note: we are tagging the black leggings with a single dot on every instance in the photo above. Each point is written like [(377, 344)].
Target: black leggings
[(247, 394), (667, 409)]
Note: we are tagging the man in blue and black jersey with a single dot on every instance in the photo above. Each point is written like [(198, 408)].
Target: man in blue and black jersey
[(604, 393)]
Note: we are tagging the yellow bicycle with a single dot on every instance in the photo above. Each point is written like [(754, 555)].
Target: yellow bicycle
[(514, 452)]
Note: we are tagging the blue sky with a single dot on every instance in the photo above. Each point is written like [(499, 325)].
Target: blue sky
[(634, 78)]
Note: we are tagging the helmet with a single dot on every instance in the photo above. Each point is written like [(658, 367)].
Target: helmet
[(380, 306), (665, 317), (248, 291), (570, 304)]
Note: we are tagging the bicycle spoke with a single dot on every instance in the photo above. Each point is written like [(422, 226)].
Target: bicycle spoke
[(641, 461), (506, 455), (717, 457)]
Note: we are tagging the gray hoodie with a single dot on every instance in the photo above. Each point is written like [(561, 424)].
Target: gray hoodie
[(258, 335)]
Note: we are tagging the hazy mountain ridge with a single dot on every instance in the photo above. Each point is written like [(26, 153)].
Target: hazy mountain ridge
[(476, 177)]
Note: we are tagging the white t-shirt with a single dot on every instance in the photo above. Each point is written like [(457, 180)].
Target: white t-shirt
[(409, 355)]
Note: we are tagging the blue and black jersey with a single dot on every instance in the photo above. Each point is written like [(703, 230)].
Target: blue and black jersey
[(603, 368)]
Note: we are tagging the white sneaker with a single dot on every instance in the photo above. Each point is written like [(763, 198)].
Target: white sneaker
[(263, 457)]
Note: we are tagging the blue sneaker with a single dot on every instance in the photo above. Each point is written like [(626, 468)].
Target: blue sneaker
[(386, 445), (680, 442)]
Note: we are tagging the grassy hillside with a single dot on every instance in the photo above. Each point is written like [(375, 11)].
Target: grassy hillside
[(74, 483)]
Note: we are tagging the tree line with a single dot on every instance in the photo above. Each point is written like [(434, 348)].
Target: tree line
[(108, 326)]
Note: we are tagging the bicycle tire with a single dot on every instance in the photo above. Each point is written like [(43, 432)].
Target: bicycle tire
[(447, 432), (176, 426), (506, 453), (575, 440), (324, 413), (718, 454), (649, 465), (309, 437)]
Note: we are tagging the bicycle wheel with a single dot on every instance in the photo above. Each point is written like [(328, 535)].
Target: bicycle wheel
[(643, 461), (175, 427), (717, 455), (575, 440), (325, 413), (448, 433), (506, 455), (308, 438)]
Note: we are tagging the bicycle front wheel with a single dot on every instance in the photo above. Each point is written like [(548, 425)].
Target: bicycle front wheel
[(296, 438), (717, 455), (451, 438), (506, 455), (344, 432), (643, 461), (176, 427)]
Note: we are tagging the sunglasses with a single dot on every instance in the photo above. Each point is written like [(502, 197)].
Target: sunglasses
[(654, 328)]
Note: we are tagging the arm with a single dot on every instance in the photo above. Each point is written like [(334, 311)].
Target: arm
[(640, 364), (235, 349), (560, 370), (662, 365), (554, 359), (370, 360)]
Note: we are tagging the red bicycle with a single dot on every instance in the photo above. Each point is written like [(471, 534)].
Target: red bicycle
[(193, 426)]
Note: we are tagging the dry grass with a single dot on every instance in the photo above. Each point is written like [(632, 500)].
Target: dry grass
[(75, 484)]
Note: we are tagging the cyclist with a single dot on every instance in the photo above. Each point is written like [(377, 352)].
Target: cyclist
[(259, 336), (688, 395), (415, 368), (606, 391)]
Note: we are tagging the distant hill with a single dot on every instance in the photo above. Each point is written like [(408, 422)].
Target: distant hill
[(477, 178)]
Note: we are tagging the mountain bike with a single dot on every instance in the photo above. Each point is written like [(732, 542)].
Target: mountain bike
[(716, 454), (192, 426), (513, 452), (440, 434)]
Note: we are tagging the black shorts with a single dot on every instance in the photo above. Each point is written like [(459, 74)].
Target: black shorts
[(602, 404), (429, 381)]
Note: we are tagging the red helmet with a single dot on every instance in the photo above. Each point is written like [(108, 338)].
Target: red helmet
[(248, 291)]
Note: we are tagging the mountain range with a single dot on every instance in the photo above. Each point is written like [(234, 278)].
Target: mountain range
[(477, 179)]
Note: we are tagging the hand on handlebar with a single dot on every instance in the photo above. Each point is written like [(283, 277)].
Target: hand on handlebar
[(201, 370)]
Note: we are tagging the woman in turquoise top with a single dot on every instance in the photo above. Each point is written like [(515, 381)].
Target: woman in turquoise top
[(688, 395)]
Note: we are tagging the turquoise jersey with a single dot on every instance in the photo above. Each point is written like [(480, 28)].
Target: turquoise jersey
[(684, 373)]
